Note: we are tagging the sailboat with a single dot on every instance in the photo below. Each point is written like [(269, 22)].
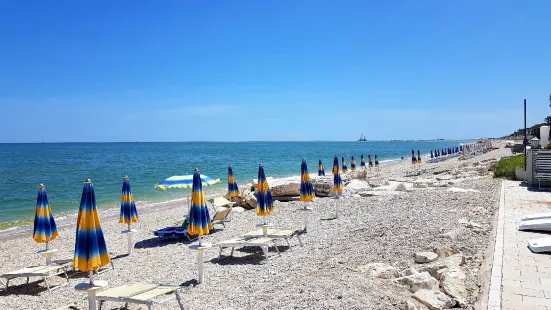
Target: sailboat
[(362, 138)]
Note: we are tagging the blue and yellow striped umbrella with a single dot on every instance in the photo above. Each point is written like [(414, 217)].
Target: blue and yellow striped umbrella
[(307, 192), (370, 162), (337, 181), (376, 161), (185, 181), (233, 190), (264, 200), (418, 157), (362, 161), (413, 158), (90, 248), (199, 218), (321, 171), (352, 164), (129, 214), (344, 168), (44, 229)]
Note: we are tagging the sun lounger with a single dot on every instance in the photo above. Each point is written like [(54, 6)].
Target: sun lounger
[(44, 272), (175, 232), (141, 293), (276, 234), (540, 245), (262, 242), (223, 208), (542, 224), (535, 216)]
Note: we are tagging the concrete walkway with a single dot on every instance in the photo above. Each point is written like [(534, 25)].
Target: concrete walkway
[(521, 280)]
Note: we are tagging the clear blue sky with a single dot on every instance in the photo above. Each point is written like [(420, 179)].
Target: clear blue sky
[(271, 70)]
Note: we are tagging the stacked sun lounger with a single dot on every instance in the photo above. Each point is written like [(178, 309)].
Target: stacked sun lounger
[(173, 232)]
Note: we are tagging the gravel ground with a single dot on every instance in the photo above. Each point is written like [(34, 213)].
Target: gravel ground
[(320, 275)]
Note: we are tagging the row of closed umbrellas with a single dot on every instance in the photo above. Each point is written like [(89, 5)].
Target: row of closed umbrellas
[(321, 170)]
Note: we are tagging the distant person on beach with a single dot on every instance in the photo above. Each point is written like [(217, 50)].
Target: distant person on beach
[(402, 157)]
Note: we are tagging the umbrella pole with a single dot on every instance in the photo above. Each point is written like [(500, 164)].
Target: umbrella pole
[(336, 206), (46, 245)]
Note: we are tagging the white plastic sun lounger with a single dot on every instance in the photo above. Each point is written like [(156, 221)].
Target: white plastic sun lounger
[(44, 272), (541, 224), (263, 243), (141, 293), (535, 216), (540, 245), (276, 234)]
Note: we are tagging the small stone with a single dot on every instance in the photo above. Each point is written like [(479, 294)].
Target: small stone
[(434, 300), (410, 272), (410, 305), (419, 281), (380, 270), (425, 257)]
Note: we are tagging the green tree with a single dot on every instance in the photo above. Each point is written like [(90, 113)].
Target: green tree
[(548, 120)]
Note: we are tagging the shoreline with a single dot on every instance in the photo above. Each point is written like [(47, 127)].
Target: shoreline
[(11, 229)]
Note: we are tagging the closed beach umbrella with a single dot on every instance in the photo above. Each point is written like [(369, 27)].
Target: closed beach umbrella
[(321, 171), (431, 154), (376, 161), (362, 161), (418, 157), (185, 181), (370, 163), (306, 188), (413, 158), (352, 164), (264, 201), (233, 190), (199, 218), (129, 214), (90, 248), (337, 181), (344, 168), (44, 229)]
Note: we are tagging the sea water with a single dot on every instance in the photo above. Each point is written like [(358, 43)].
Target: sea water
[(63, 167)]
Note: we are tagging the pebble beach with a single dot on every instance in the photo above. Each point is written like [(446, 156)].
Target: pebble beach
[(364, 259)]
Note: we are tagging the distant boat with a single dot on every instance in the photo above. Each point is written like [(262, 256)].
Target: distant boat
[(362, 138)]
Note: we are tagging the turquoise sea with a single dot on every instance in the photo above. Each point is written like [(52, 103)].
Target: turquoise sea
[(63, 167)]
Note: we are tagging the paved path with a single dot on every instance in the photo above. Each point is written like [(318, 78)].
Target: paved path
[(521, 280)]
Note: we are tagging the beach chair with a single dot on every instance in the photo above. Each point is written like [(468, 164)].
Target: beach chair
[(276, 234), (45, 272), (141, 293), (222, 208), (262, 242)]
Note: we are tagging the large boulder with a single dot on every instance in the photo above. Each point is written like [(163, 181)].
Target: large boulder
[(380, 270), (285, 186), (450, 262), (355, 186), (359, 174), (452, 281), (246, 200), (434, 300), (422, 280), (323, 185)]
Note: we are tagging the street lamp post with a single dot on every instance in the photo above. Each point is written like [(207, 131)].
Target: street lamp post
[(525, 142)]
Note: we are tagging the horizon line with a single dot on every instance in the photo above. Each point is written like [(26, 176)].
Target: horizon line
[(245, 141)]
